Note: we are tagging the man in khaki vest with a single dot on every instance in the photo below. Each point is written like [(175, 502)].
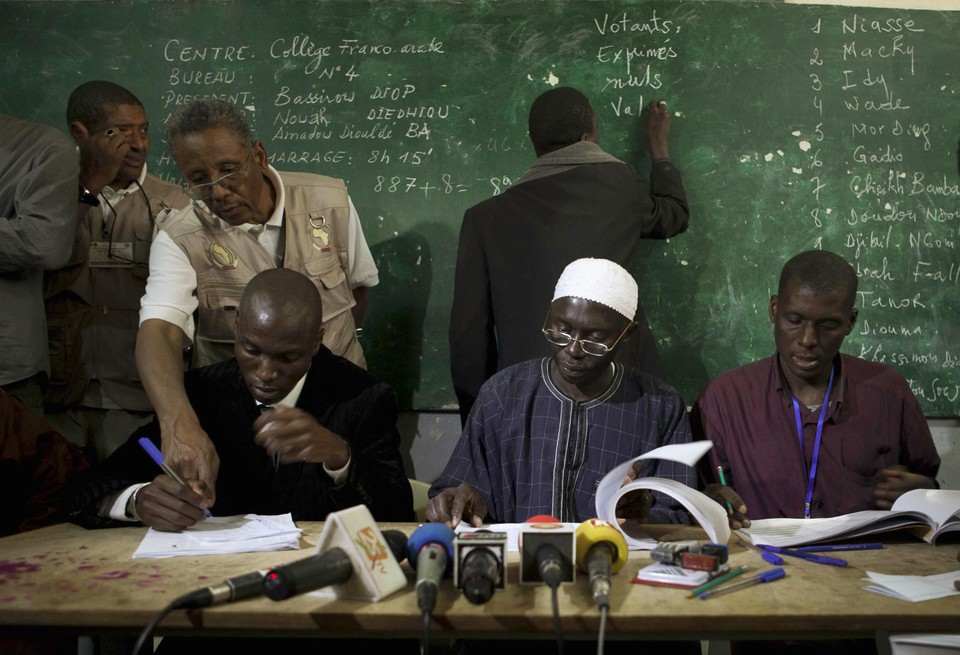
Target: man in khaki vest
[(95, 397), (246, 217)]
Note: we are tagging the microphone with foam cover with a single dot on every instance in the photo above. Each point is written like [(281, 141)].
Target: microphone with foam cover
[(601, 552), (430, 553)]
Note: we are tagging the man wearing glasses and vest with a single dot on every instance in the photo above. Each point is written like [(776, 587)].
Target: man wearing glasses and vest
[(246, 217)]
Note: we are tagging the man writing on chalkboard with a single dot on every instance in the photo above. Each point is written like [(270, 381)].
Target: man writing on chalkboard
[(574, 201), (246, 217), (808, 431)]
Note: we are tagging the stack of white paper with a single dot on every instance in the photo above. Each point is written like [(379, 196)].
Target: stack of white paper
[(708, 513), (913, 587), (223, 534)]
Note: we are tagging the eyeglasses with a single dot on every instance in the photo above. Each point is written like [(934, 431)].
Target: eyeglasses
[(231, 181), (594, 348)]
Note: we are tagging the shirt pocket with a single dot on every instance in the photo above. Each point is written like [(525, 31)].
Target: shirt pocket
[(218, 302), (331, 279), (866, 453)]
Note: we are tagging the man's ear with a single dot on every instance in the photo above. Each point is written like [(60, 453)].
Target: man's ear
[(853, 319), (79, 131), (320, 334), (773, 307)]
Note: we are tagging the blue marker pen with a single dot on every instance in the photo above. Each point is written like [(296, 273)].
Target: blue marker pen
[(838, 548), (161, 461)]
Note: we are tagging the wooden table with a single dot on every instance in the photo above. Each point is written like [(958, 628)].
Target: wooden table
[(69, 580)]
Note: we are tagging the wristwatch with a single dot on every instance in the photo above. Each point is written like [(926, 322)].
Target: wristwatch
[(87, 198)]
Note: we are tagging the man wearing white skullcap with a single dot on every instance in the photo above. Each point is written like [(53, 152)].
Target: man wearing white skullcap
[(544, 432)]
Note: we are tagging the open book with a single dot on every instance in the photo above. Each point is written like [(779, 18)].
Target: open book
[(708, 513), (927, 513)]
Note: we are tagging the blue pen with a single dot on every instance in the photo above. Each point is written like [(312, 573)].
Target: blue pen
[(810, 557), (766, 555), (838, 548), (766, 576), (161, 461)]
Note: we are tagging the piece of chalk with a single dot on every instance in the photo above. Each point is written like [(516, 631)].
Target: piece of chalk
[(663, 103)]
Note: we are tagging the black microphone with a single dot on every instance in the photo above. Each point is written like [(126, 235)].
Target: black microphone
[(546, 552), (479, 564), (332, 567), (480, 572), (237, 588), (430, 553)]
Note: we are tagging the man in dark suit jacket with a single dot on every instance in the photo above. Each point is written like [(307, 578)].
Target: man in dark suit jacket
[(575, 201), (297, 428)]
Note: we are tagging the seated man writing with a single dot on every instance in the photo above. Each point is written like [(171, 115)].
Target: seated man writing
[(542, 433), (298, 429), (808, 431)]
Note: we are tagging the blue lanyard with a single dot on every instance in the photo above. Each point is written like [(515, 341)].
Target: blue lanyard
[(811, 478)]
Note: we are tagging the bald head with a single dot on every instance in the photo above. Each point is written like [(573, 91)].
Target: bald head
[(282, 295), (279, 331)]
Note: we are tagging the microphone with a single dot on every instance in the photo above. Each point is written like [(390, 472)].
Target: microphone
[(546, 552), (478, 565), (231, 589), (601, 551), (430, 553), (335, 566)]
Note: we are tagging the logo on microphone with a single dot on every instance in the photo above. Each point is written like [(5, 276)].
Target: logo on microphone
[(374, 550)]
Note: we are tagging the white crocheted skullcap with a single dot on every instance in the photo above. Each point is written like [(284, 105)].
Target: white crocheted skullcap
[(599, 280)]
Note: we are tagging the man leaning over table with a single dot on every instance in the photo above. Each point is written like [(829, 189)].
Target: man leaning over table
[(298, 429), (246, 217), (809, 431)]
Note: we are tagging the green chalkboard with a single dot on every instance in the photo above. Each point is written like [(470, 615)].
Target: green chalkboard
[(795, 127)]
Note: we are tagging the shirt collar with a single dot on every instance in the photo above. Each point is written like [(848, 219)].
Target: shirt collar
[(290, 400), (119, 194), (839, 384)]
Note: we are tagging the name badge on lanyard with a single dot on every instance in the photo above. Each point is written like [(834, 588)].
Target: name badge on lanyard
[(107, 254), (812, 475)]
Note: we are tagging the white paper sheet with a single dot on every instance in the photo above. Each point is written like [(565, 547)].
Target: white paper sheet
[(913, 588), (709, 514), (223, 534)]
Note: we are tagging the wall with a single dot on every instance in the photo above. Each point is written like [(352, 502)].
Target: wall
[(774, 109), (795, 127)]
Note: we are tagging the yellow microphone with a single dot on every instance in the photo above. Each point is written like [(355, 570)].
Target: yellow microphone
[(601, 552)]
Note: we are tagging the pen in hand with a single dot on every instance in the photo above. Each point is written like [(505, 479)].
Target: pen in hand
[(723, 481), (161, 461)]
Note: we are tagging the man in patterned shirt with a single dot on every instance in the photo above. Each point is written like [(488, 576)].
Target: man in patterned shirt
[(544, 432)]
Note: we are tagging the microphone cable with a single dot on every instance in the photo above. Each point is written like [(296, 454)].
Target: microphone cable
[(603, 629), (146, 636), (426, 633), (556, 618)]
